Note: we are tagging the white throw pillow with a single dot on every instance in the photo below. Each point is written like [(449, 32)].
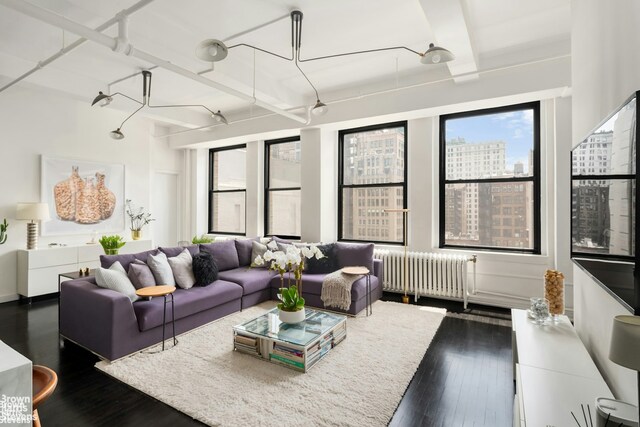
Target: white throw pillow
[(182, 266), (116, 279), (161, 269)]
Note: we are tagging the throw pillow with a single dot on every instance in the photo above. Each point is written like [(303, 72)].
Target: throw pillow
[(205, 270), (140, 275), (224, 253), (355, 254), (258, 249), (243, 246), (115, 278), (325, 265), (161, 269), (182, 269)]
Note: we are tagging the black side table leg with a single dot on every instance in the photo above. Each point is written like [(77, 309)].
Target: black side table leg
[(173, 321), (164, 318)]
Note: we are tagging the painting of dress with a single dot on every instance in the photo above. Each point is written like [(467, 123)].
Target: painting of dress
[(84, 197)]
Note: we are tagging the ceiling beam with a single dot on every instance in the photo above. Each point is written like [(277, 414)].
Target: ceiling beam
[(450, 29)]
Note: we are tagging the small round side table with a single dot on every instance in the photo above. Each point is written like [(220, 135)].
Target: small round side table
[(162, 291), (362, 271)]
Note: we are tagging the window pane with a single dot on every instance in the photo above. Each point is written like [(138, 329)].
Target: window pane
[(602, 215), (608, 151), (284, 165), (374, 157), (489, 214), (284, 213), (229, 169), (363, 216), (490, 145), (228, 212)]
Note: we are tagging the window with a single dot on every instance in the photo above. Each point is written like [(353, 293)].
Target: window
[(493, 155), (227, 190), (282, 188), (372, 178)]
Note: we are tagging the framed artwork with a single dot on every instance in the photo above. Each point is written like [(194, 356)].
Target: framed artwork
[(83, 197)]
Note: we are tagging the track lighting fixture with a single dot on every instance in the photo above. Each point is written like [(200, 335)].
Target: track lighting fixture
[(213, 50), (103, 99)]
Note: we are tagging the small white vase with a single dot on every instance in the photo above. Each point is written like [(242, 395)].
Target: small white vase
[(291, 316)]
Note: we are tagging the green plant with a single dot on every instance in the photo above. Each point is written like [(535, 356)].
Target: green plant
[(3, 231), (111, 244), (201, 239), (291, 300)]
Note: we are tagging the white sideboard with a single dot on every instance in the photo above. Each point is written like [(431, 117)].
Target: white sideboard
[(38, 269), (554, 373)]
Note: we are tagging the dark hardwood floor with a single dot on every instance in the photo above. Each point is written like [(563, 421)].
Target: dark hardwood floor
[(464, 378)]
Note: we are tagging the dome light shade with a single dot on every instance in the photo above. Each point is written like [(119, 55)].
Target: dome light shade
[(116, 134), (320, 109), (219, 117), (211, 50), (101, 100), (436, 55)]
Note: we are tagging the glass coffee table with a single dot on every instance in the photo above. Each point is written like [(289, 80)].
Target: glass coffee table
[(297, 346)]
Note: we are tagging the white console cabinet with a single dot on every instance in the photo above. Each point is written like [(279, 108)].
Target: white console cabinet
[(554, 374), (38, 269)]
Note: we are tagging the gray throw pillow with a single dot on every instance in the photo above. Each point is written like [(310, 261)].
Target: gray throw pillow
[(182, 269), (115, 278), (258, 249), (140, 275), (161, 269)]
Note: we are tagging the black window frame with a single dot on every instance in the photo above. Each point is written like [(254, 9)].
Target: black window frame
[(212, 153), (267, 190), (535, 178), (342, 185)]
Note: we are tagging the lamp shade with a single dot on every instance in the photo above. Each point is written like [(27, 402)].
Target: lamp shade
[(625, 342), (32, 211)]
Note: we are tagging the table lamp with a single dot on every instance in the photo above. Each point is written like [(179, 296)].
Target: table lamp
[(32, 212), (625, 344)]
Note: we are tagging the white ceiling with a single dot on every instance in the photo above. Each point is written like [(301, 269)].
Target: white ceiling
[(472, 29)]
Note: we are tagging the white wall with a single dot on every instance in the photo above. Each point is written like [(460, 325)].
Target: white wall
[(605, 71), (39, 122)]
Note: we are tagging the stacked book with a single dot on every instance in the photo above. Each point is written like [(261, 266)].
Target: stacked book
[(246, 344), (288, 356), (326, 343)]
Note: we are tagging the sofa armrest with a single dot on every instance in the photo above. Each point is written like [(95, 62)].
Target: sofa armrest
[(94, 317), (378, 269)]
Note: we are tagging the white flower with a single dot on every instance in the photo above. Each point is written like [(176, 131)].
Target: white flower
[(317, 252), (272, 245), (258, 260), (307, 252), (268, 256)]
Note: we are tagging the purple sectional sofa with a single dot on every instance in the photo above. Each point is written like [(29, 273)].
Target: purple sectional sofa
[(110, 325)]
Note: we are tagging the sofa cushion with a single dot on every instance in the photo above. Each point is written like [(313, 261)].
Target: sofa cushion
[(187, 302), (181, 266), (125, 259), (327, 264), (312, 284), (140, 275), (205, 269), (177, 250), (161, 269), (355, 254), (258, 249), (243, 247), (115, 278), (251, 279), (224, 254)]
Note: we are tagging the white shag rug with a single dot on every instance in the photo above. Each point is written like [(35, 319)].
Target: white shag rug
[(360, 383)]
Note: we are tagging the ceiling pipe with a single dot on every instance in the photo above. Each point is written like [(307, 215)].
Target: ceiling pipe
[(41, 64), (112, 43)]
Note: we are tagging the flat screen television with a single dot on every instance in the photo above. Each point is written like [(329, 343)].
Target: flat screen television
[(603, 188)]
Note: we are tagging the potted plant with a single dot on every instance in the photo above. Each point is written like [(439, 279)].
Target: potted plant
[(3, 231), (139, 218), (291, 309), (201, 239), (111, 244)]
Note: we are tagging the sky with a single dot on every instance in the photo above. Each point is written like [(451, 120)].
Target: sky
[(514, 127)]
